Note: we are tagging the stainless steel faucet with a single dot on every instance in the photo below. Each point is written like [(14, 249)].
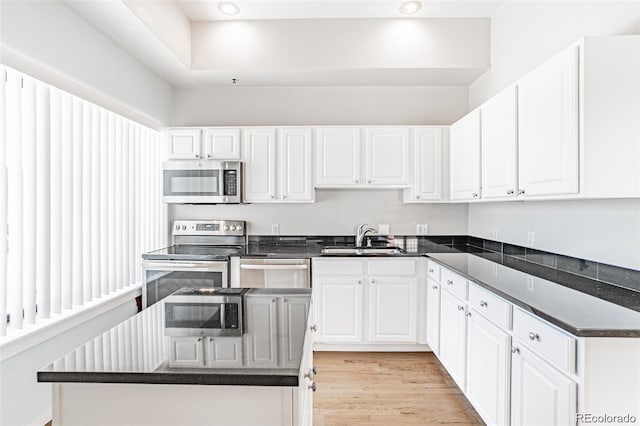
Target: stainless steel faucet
[(362, 231)]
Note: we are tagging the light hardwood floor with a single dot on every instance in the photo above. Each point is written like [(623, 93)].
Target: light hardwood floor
[(364, 388)]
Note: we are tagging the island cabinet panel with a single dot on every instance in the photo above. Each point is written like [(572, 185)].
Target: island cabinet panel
[(223, 351), (262, 323), (186, 352), (292, 322)]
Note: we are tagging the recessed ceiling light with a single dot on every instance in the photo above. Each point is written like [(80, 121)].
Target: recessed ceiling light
[(228, 8), (410, 7)]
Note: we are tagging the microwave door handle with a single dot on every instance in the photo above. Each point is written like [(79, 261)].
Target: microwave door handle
[(273, 267)]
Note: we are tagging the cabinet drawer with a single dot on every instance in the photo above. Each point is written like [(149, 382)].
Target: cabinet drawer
[(433, 270), (454, 283), (545, 340), (338, 267), (392, 267), (491, 306)]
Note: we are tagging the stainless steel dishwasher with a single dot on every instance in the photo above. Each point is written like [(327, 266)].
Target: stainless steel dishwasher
[(275, 273)]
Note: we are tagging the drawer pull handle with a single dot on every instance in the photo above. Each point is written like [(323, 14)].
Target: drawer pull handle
[(534, 336), (460, 308), (449, 282), (435, 287), (515, 350), (483, 303), (313, 387), (468, 314), (430, 271), (314, 327), (311, 373)]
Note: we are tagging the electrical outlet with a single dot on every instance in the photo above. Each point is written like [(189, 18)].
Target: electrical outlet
[(494, 269), (530, 239), (495, 234), (422, 229), (383, 229), (530, 285), (275, 229)]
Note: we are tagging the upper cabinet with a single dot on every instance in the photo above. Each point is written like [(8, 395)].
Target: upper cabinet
[(428, 166), (343, 161), (278, 170), (499, 142), (568, 129), (465, 157), (187, 143), (548, 127)]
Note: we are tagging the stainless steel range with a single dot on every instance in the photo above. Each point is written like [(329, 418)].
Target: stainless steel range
[(198, 258)]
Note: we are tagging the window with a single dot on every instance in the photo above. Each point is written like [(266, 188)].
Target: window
[(80, 200)]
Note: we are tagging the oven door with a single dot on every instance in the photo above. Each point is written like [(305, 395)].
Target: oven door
[(163, 278), (206, 182)]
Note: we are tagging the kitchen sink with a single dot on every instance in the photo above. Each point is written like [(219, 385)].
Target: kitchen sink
[(363, 251)]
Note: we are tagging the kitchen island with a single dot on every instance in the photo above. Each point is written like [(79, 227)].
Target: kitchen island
[(128, 375)]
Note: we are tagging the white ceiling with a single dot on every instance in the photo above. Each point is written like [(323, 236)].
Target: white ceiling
[(160, 34), (207, 10)]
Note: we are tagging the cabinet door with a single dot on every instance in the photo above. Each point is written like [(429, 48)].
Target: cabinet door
[(453, 337), (260, 165), (262, 341), (540, 395), (393, 309), (387, 156), (338, 156), (222, 144), (433, 316), (338, 309), (224, 352), (488, 358), (464, 145), (499, 146), (292, 327), (184, 143), (296, 182), (548, 127), (186, 352), (427, 164)]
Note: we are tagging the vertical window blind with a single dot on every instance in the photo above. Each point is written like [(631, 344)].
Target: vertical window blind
[(80, 200)]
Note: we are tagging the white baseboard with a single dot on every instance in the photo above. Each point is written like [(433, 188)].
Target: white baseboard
[(362, 347)]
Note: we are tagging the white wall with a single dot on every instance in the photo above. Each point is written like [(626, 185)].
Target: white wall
[(246, 106), (524, 34), (50, 42), (338, 212), (24, 401)]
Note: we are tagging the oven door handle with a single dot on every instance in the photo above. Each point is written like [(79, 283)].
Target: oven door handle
[(176, 265), (272, 267)]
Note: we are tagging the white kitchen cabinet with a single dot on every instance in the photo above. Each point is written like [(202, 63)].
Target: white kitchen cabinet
[(338, 156), (184, 143), (223, 352), (433, 316), (487, 377), (453, 336), (548, 127), (222, 143), (464, 167), (262, 327), (293, 314), (499, 130), (338, 309), (277, 170), (345, 161), (186, 352), (429, 165), (392, 309), (540, 395), (387, 155)]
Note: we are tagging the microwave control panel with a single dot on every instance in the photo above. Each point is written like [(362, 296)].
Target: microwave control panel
[(231, 182)]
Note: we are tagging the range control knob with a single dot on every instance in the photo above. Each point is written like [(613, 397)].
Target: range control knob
[(177, 227), (184, 227), (233, 227), (239, 228), (226, 227)]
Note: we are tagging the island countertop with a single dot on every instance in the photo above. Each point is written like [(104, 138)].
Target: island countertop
[(136, 351)]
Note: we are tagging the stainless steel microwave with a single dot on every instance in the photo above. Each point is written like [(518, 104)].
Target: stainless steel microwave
[(202, 182)]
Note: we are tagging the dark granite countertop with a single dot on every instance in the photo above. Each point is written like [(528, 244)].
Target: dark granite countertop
[(136, 351), (565, 302)]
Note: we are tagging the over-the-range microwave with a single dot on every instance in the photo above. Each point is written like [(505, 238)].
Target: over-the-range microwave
[(202, 182)]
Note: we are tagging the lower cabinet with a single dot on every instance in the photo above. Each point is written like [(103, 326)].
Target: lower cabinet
[(274, 325), (489, 356), (453, 337), (433, 316), (370, 301), (540, 394), (186, 352), (200, 352)]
